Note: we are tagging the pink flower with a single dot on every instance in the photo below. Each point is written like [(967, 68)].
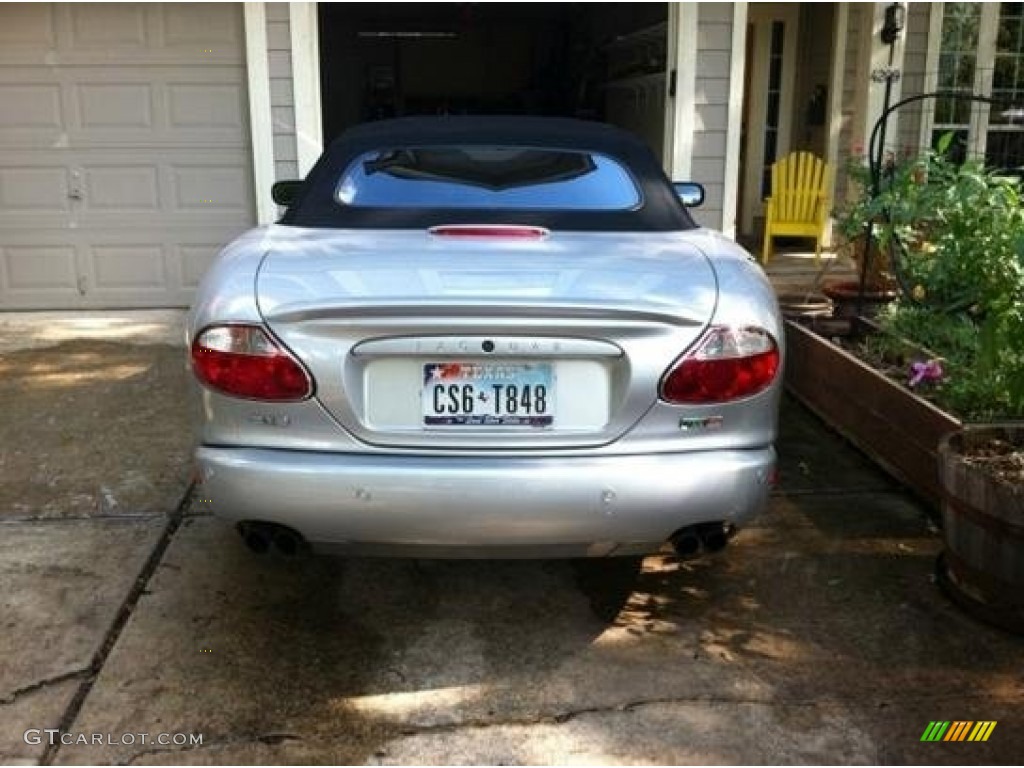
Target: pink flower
[(930, 371)]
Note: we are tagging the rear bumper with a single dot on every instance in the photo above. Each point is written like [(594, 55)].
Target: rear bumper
[(492, 506)]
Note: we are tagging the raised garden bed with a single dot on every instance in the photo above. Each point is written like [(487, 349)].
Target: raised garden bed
[(898, 429)]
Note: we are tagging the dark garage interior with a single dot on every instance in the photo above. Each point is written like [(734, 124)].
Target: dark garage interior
[(588, 60)]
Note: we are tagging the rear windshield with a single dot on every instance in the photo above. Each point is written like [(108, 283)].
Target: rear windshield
[(523, 178)]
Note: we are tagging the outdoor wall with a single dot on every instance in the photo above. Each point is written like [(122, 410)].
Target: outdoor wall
[(714, 45), (813, 70), (853, 104), (282, 101), (915, 56)]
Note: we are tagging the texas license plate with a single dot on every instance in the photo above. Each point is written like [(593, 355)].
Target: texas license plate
[(488, 394)]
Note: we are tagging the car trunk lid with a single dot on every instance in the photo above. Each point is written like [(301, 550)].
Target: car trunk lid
[(595, 317)]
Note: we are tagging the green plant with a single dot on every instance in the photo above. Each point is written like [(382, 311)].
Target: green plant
[(955, 235), (960, 232), (862, 206), (964, 388)]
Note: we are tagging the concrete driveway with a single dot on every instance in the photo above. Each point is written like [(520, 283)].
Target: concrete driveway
[(818, 636)]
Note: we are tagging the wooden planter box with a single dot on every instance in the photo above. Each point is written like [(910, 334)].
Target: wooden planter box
[(895, 427)]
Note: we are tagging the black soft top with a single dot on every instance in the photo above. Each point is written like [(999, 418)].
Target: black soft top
[(659, 210)]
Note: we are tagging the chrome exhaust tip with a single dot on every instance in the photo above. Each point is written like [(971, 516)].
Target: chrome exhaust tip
[(685, 542), (704, 538), (714, 537), (259, 537)]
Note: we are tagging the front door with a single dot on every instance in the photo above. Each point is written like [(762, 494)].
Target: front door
[(768, 110)]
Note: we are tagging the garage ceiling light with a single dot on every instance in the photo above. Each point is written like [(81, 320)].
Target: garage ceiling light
[(412, 34)]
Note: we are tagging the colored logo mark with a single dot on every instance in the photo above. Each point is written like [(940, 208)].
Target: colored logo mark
[(958, 730)]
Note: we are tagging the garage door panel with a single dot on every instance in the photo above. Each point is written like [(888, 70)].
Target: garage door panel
[(189, 24), (139, 266), (151, 187), (40, 269), (108, 107), (107, 25), (30, 106), (194, 259), (120, 188), (107, 273), (124, 151), (114, 105), (31, 228), (190, 35), (206, 188), (27, 25), (29, 188), (194, 106)]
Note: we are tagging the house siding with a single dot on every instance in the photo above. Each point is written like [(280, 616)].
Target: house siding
[(282, 100), (711, 107), (854, 99), (915, 59)]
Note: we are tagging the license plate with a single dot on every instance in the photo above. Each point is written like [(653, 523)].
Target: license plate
[(488, 395)]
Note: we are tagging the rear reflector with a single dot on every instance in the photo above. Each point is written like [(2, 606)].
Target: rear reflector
[(489, 230), (727, 364), (244, 361)]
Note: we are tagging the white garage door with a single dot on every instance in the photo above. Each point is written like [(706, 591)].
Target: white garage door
[(124, 151)]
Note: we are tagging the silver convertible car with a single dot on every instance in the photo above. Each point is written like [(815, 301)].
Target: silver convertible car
[(486, 337)]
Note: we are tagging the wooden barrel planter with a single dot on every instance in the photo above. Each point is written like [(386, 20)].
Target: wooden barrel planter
[(982, 568)]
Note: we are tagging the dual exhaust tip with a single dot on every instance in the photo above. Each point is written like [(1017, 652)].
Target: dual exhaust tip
[(687, 542), (260, 537), (696, 539)]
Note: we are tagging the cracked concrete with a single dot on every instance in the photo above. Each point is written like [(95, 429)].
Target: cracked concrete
[(818, 636), (806, 642), (63, 585)]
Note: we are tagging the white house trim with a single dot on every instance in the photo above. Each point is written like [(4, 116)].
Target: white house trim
[(761, 17), (988, 34), (835, 95), (679, 111), (734, 130), (260, 124), (305, 36)]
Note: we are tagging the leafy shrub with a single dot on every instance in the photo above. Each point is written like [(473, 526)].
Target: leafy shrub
[(966, 389), (958, 230)]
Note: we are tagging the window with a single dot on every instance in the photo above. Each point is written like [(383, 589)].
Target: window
[(523, 178), (969, 64), (1004, 145), (773, 110)]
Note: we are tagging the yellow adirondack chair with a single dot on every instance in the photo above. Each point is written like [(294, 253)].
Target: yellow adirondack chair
[(799, 205)]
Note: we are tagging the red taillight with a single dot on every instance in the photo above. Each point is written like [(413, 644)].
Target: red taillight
[(727, 364), (489, 230), (244, 361)]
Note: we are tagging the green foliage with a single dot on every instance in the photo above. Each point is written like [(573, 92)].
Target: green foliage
[(968, 389), (960, 230)]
